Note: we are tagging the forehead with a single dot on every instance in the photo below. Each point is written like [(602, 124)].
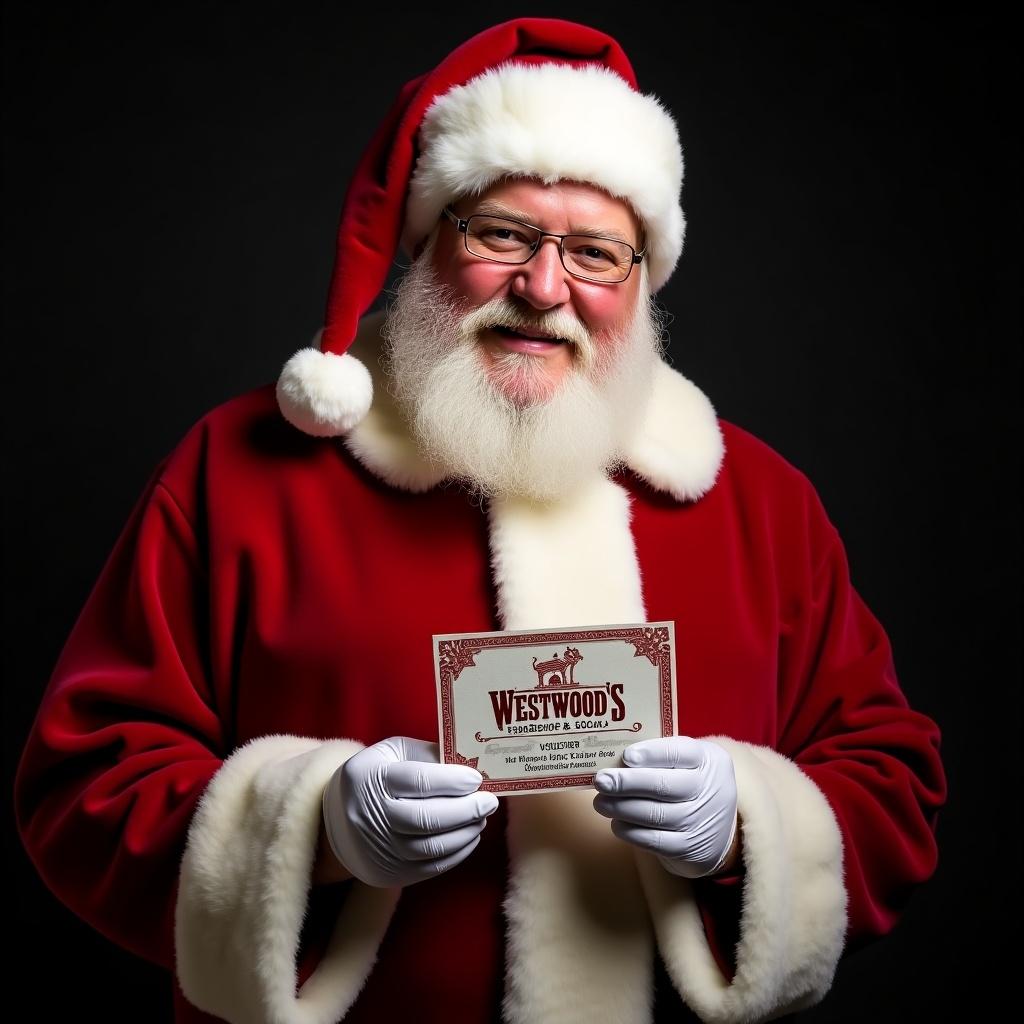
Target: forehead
[(563, 206)]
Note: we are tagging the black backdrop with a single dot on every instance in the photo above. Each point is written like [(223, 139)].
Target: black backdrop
[(848, 293)]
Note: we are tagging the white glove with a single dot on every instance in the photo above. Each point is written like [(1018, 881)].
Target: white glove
[(393, 815), (676, 798)]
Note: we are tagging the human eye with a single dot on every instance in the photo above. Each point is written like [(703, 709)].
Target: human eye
[(499, 233), (595, 253)]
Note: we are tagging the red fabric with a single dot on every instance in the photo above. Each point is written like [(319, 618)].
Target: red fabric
[(266, 583), (371, 221), (720, 901)]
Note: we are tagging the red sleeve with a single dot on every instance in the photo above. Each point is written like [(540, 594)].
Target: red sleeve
[(847, 724), (126, 736), (720, 902)]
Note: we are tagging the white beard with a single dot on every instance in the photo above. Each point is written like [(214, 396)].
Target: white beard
[(489, 427)]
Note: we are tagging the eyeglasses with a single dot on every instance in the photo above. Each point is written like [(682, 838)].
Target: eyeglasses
[(503, 240)]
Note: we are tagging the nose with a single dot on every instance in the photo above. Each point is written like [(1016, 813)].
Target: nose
[(542, 280)]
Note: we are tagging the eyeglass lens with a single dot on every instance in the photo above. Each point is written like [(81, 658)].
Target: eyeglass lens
[(509, 241)]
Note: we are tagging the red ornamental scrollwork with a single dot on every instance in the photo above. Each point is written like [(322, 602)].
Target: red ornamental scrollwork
[(455, 655), (555, 733), (652, 643), (457, 758)]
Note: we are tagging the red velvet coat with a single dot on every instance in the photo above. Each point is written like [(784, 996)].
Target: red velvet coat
[(268, 610)]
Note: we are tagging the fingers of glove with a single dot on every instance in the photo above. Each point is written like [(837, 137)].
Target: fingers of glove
[(367, 768), (424, 869), (667, 844), (408, 748), (438, 814), (652, 783), (418, 779), (666, 752), (400, 748), (659, 814), (438, 845)]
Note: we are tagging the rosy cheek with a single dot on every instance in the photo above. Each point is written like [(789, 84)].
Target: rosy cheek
[(603, 307), (604, 312), (481, 281)]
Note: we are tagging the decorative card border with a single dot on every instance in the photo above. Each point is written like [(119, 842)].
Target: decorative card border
[(454, 652)]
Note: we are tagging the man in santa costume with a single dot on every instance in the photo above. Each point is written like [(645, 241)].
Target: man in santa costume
[(234, 773)]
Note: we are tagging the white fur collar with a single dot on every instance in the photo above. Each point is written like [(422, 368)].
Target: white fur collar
[(678, 448)]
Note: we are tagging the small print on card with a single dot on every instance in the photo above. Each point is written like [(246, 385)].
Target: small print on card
[(535, 710)]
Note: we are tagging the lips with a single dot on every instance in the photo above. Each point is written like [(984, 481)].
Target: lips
[(509, 333)]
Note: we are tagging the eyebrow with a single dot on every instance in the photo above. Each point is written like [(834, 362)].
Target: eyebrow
[(496, 209)]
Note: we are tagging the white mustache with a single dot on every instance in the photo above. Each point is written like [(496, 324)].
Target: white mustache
[(559, 324)]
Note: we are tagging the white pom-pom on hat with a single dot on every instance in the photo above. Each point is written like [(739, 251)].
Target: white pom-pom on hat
[(322, 393)]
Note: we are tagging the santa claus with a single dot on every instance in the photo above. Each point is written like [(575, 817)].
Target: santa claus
[(244, 716)]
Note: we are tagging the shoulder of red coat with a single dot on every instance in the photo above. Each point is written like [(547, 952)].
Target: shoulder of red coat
[(245, 409), (759, 474), (232, 445), (751, 457)]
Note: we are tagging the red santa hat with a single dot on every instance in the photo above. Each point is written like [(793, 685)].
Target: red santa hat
[(531, 97)]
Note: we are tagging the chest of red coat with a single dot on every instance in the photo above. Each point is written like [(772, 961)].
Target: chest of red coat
[(329, 587)]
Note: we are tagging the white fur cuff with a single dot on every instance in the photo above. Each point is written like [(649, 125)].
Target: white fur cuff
[(793, 920), (244, 882)]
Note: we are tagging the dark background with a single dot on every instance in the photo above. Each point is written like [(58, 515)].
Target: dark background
[(848, 292)]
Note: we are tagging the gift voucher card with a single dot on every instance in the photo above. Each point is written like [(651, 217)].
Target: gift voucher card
[(534, 710)]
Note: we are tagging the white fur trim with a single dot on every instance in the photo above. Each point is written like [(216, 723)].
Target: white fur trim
[(793, 920), (566, 563), (555, 122), (679, 447), (579, 938), (580, 943), (244, 883), (322, 393)]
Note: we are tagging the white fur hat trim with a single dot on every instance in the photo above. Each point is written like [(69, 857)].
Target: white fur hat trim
[(555, 122)]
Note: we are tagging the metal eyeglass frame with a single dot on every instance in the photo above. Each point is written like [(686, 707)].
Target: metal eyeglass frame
[(463, 227)]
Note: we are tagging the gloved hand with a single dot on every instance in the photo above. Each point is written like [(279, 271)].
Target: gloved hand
[(676, 798), (393, 815)]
